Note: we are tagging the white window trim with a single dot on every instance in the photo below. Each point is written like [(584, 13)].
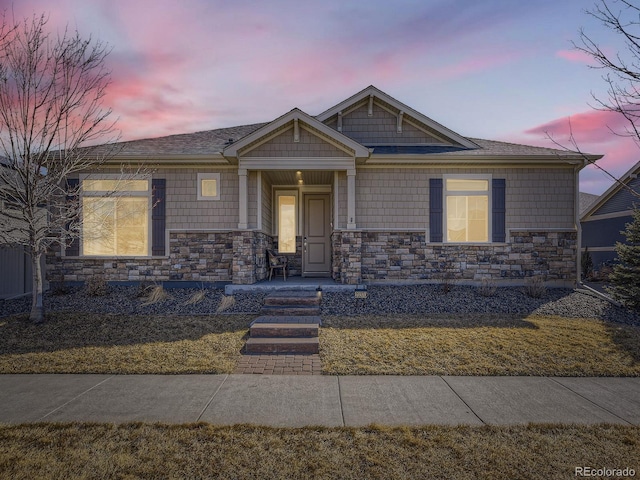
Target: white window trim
[(472, 176), (115, 176), (208, 176)]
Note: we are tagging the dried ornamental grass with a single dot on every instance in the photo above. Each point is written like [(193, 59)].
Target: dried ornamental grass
[(158, 294), (535, 287), (226, 303), (196, 298)]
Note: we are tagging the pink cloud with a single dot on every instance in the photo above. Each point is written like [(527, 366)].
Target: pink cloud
[(592, 132), (594, 126), (575, 56)]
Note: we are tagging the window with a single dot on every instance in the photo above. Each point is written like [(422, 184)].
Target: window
[(467, 208), (208, 186), (286, 204), (115, 217)]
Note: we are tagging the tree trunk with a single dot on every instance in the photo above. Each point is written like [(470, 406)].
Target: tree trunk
[(37, 304)]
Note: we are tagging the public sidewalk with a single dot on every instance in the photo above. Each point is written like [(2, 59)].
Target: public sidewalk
[(295, 401)]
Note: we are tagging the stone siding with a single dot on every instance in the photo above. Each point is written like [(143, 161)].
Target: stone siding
[(193, 256), (346, 260), (249, 256), (406, 256)]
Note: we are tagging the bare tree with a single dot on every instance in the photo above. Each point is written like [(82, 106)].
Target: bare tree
[(622, 68), (622, 75), (51, 92)]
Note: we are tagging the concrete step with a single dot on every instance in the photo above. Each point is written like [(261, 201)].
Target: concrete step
[(293, 298), (284, 310), (282, 345), (288, 319), (283, 330)]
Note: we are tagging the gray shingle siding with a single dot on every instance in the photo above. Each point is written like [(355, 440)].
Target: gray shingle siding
[(623, 200), (605, 232)]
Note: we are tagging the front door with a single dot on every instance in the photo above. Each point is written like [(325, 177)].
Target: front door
[(316, 242)]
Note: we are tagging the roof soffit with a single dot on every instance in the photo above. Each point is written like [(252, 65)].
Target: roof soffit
[(392, 105)]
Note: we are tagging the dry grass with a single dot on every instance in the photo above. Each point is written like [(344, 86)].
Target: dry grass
[(90, 343), (364, 345), (226, 303), (196, 298), (489, 345), (84, 451), (156, 295)]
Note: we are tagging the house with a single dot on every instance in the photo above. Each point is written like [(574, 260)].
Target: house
[(15, 264), (368, 191), (603, 222)]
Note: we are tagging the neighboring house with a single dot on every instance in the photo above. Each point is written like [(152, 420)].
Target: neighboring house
[(368, 191), (605, 219), (15, 264)]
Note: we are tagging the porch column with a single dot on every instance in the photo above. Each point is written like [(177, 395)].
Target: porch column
[(243, 214), (351, 199)]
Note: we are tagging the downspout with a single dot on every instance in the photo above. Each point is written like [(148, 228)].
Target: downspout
[(576, 208)]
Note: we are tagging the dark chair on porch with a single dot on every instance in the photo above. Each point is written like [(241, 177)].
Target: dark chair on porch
[(275, 262)]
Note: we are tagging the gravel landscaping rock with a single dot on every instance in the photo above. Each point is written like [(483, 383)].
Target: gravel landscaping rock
[(408, 299)]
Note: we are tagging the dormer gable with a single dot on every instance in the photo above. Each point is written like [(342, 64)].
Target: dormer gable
[(373, 118), (296, 134)]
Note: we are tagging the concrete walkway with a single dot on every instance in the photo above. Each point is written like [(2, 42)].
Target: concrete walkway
[(294, 401)]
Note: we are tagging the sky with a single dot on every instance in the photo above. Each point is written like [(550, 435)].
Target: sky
[(495, 69)]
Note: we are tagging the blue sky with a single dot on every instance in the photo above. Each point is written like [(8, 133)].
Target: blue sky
[(496, 69)]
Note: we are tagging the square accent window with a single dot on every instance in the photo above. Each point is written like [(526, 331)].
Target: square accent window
[(467, 209), (116, 217), (208, 186)]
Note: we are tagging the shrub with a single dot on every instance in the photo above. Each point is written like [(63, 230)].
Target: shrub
[(144, 288), (158, 294), (96, 286), (197, 297), (586, 263), (58, 286), (625, 278), (488, 287), (535, 287), (226, 303)]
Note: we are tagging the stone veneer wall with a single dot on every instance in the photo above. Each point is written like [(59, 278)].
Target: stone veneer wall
[(193, 256), (360, 256), (346, 265), (249, 256)]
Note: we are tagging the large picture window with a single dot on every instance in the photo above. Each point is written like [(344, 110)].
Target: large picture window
[(467, 209), (115, 217)]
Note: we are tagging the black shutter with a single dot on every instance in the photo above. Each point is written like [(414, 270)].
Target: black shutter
[(158, 218), (72, 247), (435, 209), (499, 209)]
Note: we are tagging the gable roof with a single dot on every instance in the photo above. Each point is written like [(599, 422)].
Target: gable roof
[(222, 145), (358, 150), (631, 176), (586, 200), (375, 93)]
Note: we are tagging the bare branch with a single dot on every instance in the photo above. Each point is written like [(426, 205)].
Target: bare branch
[(51, 113)]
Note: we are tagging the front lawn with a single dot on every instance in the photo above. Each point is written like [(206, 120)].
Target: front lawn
[(360, 345), (84, 451), (122, 344), (478, 345)]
